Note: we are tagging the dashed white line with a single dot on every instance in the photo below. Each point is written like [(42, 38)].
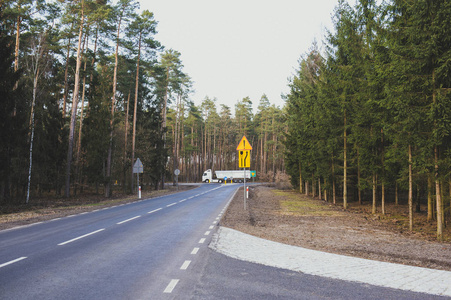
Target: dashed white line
[(195, 250), (12, 261), (202, 240), (80, 237), (152, 211), (185, 265), (211, 227), (207, 232), (171, 286), (169, 205), (122, 222)]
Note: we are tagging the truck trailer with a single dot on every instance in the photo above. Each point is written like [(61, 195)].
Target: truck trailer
[(219, 176)]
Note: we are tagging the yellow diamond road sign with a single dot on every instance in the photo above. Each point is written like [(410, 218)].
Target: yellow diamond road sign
[(244, 144)]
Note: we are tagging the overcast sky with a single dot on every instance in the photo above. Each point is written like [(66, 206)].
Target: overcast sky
[(238, 48)]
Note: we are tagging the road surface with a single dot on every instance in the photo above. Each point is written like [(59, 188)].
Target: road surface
[(151, 249)]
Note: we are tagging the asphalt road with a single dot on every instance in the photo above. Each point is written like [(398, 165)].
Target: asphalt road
[(152, 249), (133, 251)]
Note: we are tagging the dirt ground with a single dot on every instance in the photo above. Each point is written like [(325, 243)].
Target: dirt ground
[(291, 218)]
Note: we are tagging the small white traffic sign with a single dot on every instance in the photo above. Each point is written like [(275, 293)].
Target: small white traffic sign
[(138, 167)]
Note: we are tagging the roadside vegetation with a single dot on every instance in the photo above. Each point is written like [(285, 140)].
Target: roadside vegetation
[(370, 120)]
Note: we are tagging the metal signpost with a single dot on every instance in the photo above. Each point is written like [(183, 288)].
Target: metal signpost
[(138, 168), (244, 159)]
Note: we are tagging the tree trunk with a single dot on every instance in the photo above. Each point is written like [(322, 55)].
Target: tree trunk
[(396, 194), (108, 191), (35, 87), (382, 180), (410, 200), (300, 178), (359, 190), (66, 77), (124, 160), (373, 210), (77, 160), (135, 111), (345, 166), (439, 204), (319, 188), (313, 186), (430, 201), (74, 104)]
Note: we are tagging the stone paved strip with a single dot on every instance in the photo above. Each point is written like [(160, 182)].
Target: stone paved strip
[(250, 248)]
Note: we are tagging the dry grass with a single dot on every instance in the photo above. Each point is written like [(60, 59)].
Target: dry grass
[(295, 204)]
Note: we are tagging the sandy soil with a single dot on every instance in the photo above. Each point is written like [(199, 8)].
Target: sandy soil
[(291, 218)]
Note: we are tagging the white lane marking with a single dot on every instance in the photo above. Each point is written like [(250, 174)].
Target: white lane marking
[(80, 237), (207, 232), (195, 250), (185, 265), (152, 211), (182, 200), (211, 227), (122, 222), (12, 261), (202, 240), (214, 222), (171, 286), (169, 205), (217, 218)]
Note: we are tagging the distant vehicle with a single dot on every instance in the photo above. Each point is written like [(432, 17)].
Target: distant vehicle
[(218, 176)]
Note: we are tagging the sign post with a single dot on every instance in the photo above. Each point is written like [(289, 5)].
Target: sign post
[(244, 160), (138, 168)]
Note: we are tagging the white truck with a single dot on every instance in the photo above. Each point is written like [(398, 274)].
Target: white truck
[(218, 176)]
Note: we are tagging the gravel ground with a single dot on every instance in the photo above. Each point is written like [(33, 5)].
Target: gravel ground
[(294, 219)]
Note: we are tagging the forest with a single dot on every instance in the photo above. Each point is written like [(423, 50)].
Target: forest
[(86, 89), (370, 118)]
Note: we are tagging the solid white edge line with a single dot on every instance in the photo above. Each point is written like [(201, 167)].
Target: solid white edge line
[(195, 250), (122, 222), (152, 211), (185, 265), (171, 286), (80, 237), (12, 261)]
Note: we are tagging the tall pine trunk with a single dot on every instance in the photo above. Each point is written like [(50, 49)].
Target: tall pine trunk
[(439, 204), (74, 105), (135, 110), (410, 199), (108, 191), (345, 166)]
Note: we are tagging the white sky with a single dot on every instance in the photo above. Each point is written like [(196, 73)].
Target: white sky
[(238, 48)]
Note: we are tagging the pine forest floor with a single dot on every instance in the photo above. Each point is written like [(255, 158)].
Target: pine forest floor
[(288, 217)]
